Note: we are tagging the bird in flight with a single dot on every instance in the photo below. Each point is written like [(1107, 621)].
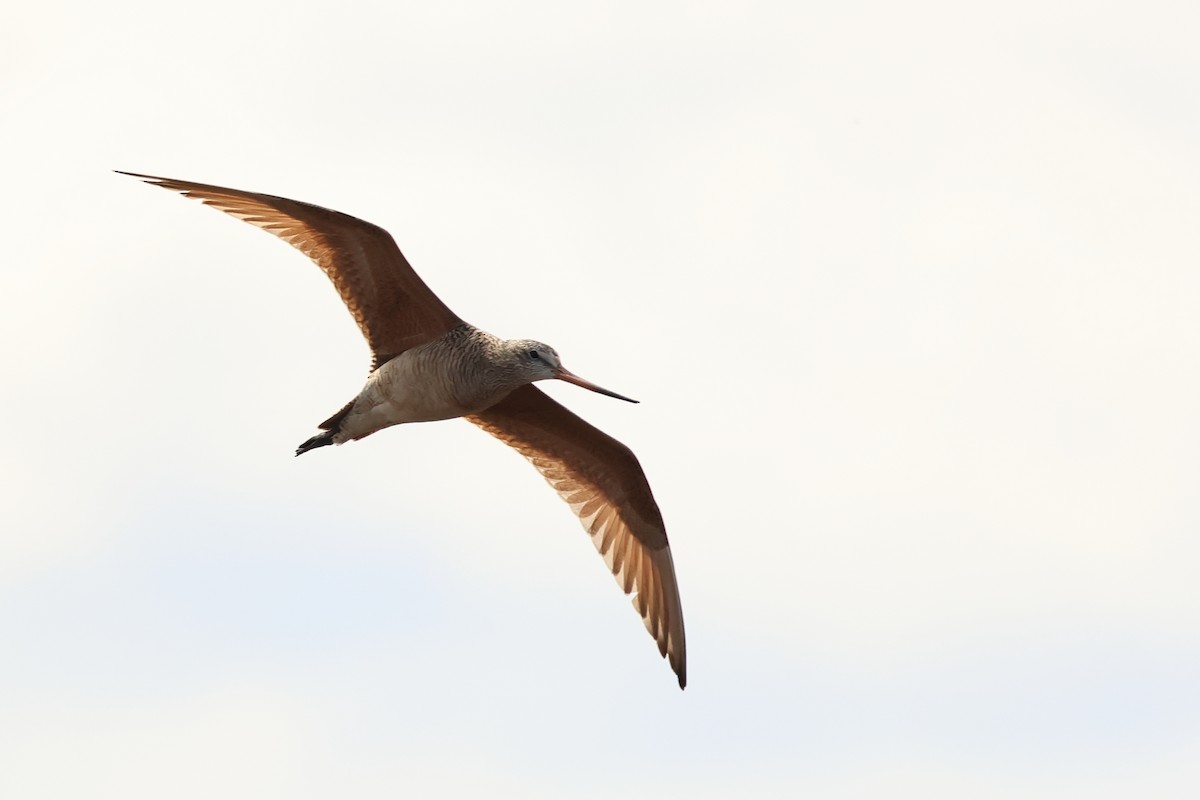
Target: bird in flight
[(427, 364)]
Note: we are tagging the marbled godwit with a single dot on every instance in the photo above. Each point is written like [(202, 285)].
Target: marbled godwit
[(428, 365)]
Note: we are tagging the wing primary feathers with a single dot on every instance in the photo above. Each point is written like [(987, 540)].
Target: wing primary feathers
[(392, 306), (604, 484)]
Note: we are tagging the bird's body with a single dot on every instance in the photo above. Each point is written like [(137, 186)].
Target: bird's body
[(462, 372), (459, 373), (430, 365)]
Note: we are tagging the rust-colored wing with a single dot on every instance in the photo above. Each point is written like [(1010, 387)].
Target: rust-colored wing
[(604, 484), (392, 305)]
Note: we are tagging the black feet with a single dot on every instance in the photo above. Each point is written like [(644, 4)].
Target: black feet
[(328, 428), (320, 440)]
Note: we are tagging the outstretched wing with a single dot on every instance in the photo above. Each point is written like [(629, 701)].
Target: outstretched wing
[(391, 304), (604, 484)]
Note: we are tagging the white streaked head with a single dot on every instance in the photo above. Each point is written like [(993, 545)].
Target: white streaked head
[(537, 361)]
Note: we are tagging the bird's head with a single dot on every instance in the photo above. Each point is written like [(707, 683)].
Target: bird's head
[(537, 361)]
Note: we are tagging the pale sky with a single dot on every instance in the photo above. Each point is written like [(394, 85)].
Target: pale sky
[(909, 295)]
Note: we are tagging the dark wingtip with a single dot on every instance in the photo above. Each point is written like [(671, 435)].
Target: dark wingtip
[(150, 179)]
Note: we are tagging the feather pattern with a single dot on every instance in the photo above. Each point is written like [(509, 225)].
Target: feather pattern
[(602, 481), (393, 307)]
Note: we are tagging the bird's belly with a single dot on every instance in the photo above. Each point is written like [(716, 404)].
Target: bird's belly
[(398, 392)]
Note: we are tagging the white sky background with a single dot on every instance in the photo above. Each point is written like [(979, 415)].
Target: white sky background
[(908, 293)]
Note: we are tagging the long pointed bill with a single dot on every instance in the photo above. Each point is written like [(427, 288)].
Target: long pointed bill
[(564, 374)]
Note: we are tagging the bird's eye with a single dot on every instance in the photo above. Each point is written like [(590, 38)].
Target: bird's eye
[(535, 355)]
